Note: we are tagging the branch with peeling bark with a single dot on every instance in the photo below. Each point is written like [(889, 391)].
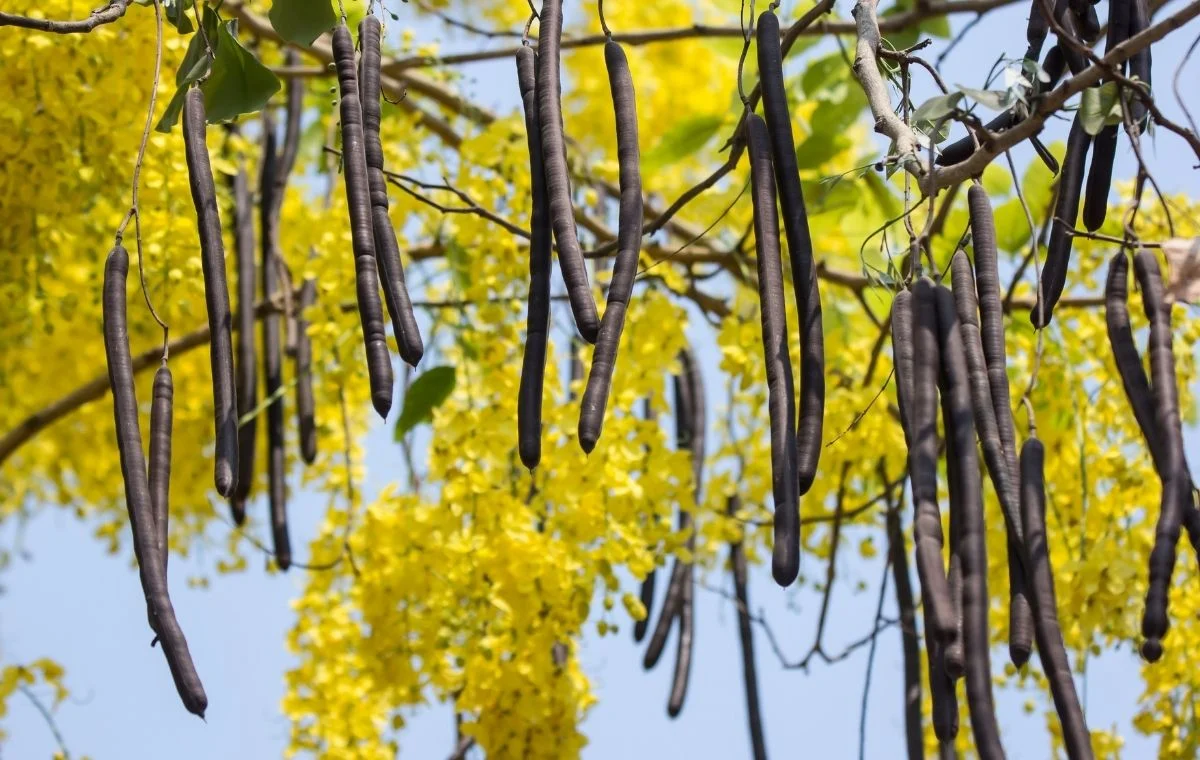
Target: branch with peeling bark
[(905, 141), (104, 15)]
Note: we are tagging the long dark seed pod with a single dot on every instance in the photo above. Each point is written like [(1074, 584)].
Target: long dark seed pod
[(983, 340), (994, 452), (305, 404), (387, 250), (358, 198), (1095, 200), (800, 253), (160, 466), (911, 648), (533, 364), (902, 360), (1036, 31), (690, 425), (781, 398), (1051, 651), (741, 595), (161, 423), (629, 243), (1140, 62), (683, 656), (246, 374), (1133, 378), (922, 463), (647, 597), (151, 567), (671, 605), (1066, 209), (216, 292), (971, 532), (1076, 62), (942, 696), (953, 653), (273, 354), (554, 159), (1175, 496), (1020, 613)]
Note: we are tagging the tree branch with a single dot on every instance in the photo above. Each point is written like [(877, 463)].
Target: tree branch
[(892, 23), (114, 10)]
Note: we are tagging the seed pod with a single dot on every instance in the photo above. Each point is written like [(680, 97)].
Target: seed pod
[(216, 292), (953, 653), (629, 242), (1095, 202), (358, 198), (305, 405), (1139, 63), (795, 224), (387, 251), (161, 423), (683, 657), (1020, 614), (971, 541), (533, 366), (785, 565), (554, 159), (1051, 651), (1175, 496), (1066, 210), (246, 374), (910, 646), (273, 356), (985, 414), (647, 597), (138, 501), (902, 359), (160, 466), (922, 463), (1076, 62)]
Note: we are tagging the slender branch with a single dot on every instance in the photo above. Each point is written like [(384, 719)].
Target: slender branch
[(737, 562), (866, 70), (893, 23), (48, 717), (114, 10), (862, 716), (98, 386)]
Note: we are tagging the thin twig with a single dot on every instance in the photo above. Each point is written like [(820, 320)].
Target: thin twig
[(48, 717), (107, 14), (866, 695), (134, 212)]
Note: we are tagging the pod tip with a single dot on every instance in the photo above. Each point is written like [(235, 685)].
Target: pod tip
[(1152, 649), (1019, 656)]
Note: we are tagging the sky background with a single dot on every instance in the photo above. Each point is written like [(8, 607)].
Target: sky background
[(67, 599)]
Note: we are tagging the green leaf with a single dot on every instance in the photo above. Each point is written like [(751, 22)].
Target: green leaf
[(1095, 105), (427, 393), (995, 100), (178, 17), (238, 83), (302, 21), (937, 26), (825, 76), (194, 66), (936, 108), (682, 140)]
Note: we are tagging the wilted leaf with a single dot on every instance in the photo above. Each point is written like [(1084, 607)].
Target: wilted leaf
[(1183, 270)]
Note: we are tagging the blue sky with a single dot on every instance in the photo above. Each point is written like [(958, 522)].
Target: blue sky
[(69, 600)]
